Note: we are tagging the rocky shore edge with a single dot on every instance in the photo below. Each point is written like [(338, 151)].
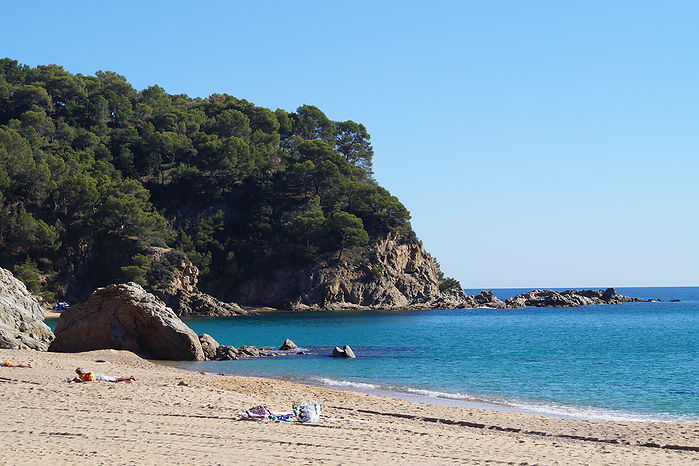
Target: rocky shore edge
[(127, 317)]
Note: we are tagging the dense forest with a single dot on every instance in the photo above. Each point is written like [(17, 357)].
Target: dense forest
[(93, 173)]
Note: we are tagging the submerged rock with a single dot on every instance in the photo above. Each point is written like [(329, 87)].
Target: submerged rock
[(21, 316), (288, 345), (344, 352), (126, 317)]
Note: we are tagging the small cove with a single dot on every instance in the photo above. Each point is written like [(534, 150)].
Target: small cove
[(636, 361)]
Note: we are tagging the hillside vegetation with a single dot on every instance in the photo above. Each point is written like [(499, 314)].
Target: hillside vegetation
[(94, 172)]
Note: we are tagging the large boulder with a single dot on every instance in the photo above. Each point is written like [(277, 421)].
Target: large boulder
[(21, 316), (126, 317)]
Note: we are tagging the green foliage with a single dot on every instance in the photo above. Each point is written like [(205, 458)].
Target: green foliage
[(347, 229), (28, 273), (447, 284), (90, 165), (138, 272)]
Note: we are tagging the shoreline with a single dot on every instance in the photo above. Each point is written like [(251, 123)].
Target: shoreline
[(457, 400), (168, 409)]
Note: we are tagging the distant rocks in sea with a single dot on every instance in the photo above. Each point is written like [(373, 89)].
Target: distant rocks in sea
[(570, 298), (21, 316), (485, 298), (344, 352), (288, 345)]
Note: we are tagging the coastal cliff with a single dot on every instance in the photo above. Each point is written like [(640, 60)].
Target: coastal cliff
[(394, 275)]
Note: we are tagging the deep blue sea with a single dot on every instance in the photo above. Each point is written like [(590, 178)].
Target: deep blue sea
[(635, 361)]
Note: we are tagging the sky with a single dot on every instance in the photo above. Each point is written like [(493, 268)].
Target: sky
[(536, 144)]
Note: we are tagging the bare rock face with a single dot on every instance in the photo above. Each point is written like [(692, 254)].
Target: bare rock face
[(208, 345), (397, 276), (126, 317), (21, 317), (569, 298), (181, 293)]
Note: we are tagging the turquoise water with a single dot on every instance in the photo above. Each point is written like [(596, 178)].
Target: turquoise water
[(635, 361)]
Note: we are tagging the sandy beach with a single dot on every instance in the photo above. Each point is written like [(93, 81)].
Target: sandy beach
[(173, 416)]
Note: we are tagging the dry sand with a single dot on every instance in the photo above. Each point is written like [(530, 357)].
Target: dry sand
[(177, 417)]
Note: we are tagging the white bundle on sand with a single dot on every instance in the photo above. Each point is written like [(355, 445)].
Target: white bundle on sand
[(308, 412)]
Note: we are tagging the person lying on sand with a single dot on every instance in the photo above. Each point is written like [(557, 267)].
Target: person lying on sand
[(14, 364), (95, 377)]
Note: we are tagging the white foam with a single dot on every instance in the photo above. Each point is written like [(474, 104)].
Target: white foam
[(346, 383), (501, 404)]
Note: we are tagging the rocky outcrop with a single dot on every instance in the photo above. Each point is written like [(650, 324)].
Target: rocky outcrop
[(21, 316), (344, 352), (126, 317), (180, 290), (570, 298), (208, 345), (397, 275), (225, 352), (485, 298), (288, 345)]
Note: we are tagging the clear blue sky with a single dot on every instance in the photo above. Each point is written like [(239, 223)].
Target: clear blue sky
[(539, 143)]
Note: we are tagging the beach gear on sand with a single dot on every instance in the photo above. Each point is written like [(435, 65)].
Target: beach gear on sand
[(286, 417), (258, 412), (308, 412), (303, 412)]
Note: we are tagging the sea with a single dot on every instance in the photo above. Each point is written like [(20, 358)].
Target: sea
[(632, 362)]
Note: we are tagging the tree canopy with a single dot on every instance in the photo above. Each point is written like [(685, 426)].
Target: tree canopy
[(93, 172)]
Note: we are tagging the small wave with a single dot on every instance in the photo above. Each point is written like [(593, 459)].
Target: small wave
[(345, 383), (594, 414), (435, 394), (542, 408)]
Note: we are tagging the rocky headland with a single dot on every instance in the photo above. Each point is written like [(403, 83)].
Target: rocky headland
[(398, 275)]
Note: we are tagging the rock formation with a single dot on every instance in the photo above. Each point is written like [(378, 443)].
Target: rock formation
[(288, 345), (21, 317), (225, 352), (208, 345), (397, 276), (126, 317), (344, 352), (180, 292), (570, 298)]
